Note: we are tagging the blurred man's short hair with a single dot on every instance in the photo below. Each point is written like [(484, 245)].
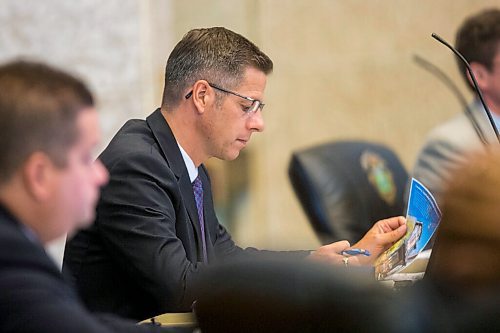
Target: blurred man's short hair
[(478, 39), (38, 109)]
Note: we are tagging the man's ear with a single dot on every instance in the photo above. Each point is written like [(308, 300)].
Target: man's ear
[(203, 96), (37, 173), (482, 75)]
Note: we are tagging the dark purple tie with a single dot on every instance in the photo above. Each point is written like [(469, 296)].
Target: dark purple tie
[(198, 196)]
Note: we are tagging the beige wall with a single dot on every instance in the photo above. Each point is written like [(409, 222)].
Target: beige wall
[(343, 69), (100, 41)]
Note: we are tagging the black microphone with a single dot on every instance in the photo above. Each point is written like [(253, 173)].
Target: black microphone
[(437, 72), (487, 110)]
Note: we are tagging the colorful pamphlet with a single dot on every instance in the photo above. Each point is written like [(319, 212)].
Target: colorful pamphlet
[(423, 217)]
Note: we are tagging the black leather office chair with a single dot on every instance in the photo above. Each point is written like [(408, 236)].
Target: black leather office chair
[(346, 186)]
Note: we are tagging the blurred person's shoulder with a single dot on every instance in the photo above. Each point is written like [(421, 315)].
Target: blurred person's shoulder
[(456, 132)]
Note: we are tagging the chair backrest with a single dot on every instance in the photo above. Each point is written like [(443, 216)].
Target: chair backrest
[(346, 186)]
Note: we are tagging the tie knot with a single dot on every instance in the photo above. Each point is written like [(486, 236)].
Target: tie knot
[(197, 184), (198, 190)]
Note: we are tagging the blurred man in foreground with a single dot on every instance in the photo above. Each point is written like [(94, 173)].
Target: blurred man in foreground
[(49, 185), (461, 288)]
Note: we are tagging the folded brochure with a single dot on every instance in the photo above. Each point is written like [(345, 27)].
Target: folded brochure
[(422, 218)]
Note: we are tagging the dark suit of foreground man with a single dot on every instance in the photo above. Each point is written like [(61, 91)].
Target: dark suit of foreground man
[(49, 184), (146, 248)]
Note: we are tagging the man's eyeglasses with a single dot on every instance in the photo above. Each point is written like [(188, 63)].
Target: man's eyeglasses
[(256, 104)]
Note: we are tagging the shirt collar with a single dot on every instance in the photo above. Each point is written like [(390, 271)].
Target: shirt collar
[(191, 168), (27, 231), (496, 118)]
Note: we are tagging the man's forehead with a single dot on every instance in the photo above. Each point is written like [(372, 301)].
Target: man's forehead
[(88, 124)]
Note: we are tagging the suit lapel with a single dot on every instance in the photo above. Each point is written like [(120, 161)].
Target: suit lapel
[(170, 149)]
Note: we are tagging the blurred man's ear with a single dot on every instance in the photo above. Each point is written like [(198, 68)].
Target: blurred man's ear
[(37, 174), (482, 75)]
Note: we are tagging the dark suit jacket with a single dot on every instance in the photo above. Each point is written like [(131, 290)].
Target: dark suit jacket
[(34, 296), (142, 255)]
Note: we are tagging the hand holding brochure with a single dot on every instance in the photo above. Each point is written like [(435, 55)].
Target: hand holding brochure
[(423, 217)]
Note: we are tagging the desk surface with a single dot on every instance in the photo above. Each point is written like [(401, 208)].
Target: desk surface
[(173, 319)]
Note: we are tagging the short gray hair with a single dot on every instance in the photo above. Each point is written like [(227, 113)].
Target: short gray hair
[(217, 55)]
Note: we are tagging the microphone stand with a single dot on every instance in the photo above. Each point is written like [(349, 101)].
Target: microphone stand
[(487, 110), (433, 69)]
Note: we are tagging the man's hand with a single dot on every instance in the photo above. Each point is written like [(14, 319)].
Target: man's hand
[(331, 254), (380, 237)]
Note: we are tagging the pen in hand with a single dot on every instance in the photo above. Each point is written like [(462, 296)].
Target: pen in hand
[(355, 252)]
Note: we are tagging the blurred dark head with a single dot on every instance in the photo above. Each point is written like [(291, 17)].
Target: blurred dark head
[(466, 256), (277, 296), (478, 40)]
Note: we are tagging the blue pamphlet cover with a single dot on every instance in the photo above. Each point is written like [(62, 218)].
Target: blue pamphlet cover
[(423, 216)]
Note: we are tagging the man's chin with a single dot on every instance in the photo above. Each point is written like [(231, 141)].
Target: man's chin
[(86, 221), (230, 156)]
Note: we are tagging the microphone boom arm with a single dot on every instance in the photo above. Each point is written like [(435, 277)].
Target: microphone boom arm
[(469, 69), (438, 73)]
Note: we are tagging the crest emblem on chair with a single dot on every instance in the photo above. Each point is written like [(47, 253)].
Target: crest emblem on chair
[(379, 175)]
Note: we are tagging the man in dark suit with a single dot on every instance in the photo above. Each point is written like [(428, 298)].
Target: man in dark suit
[(156, 227), (49, 184)]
